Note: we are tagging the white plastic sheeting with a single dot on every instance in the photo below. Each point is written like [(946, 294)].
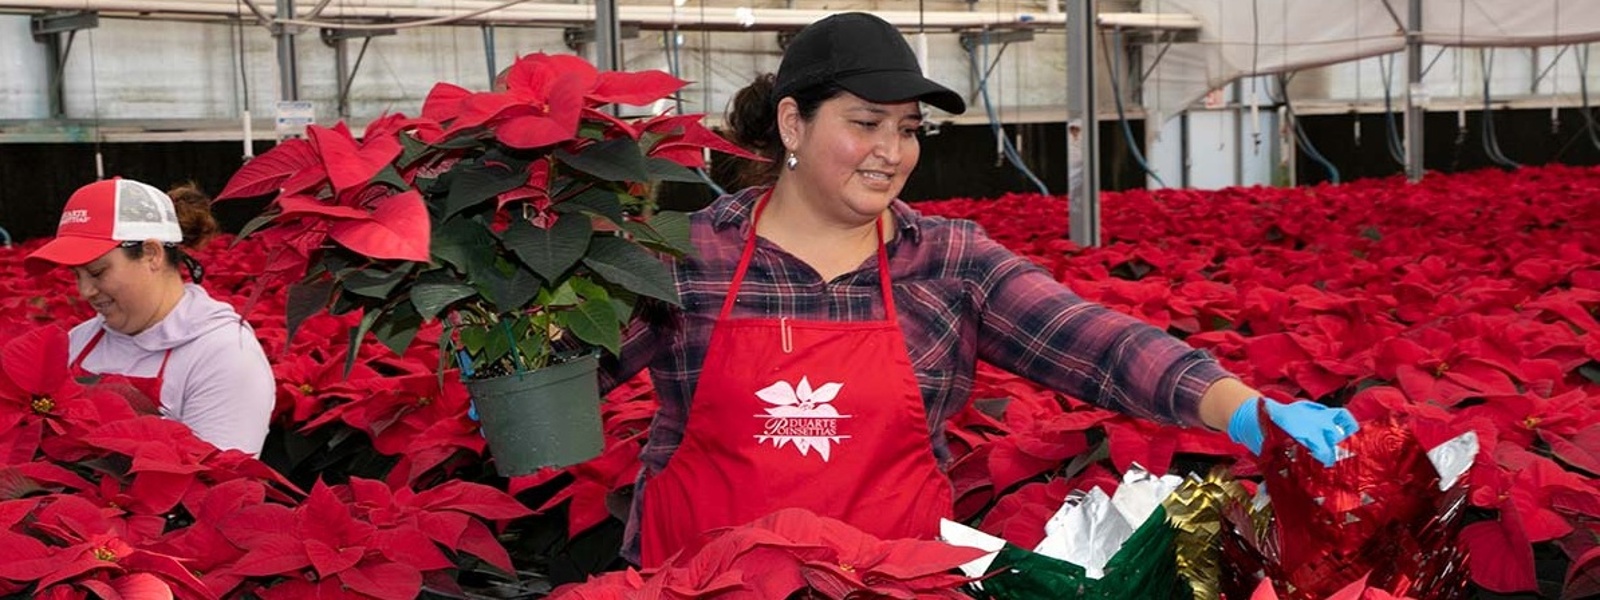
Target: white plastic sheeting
[(1238, 37)]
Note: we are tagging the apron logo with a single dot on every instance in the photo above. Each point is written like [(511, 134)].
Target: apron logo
[(802, 416)]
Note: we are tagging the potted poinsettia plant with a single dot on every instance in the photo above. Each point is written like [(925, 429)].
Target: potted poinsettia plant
[(520, 217)]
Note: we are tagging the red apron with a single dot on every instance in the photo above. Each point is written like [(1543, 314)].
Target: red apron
[(150, 387), (820, 415)]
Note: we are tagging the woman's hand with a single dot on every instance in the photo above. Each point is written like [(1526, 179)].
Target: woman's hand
[(1317, 427)]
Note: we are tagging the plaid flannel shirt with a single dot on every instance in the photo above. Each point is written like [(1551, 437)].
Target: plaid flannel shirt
[(962, 297)]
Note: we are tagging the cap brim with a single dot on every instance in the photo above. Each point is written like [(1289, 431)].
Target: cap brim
[(902, 86), (67, 250)]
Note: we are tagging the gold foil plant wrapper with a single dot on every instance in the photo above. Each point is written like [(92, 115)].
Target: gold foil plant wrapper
[(1195, 510)]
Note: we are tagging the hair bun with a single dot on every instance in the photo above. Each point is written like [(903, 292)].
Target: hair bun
[(194, 214)]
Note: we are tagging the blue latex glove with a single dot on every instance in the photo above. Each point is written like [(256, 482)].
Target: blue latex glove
[(1317, 427), (472, 413)]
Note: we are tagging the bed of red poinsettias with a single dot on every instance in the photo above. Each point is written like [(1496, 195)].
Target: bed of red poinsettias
[(1474, 296)]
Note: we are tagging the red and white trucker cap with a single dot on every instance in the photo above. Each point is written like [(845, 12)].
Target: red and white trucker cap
[(102, 215)]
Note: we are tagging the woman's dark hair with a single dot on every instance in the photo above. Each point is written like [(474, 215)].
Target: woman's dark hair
[(194, 218), (752, 121)]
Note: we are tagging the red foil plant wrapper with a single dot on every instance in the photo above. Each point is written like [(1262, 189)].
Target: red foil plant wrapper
[(1380, 512)]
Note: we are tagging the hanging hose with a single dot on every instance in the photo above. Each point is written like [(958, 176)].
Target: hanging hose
[(1303, 139), (1122, 115), (673, 62), (1589, 125), (1397, 148), (994, 120), (1491, 143)]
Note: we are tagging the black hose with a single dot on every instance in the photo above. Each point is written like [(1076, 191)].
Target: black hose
[(1304, 140)]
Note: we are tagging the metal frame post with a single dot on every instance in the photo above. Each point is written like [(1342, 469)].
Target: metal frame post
[(288, 67), (1083, 202), (1416, 95), (607, 36), (47, 29)]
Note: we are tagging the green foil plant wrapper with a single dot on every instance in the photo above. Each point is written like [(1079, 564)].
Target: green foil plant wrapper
[(1096, 546)]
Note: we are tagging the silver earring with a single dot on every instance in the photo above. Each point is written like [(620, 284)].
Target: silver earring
[(791, 162)]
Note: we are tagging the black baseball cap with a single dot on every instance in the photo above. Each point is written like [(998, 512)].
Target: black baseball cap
[(866, 56)]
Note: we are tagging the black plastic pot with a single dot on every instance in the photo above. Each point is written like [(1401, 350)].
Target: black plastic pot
[(544, 418)]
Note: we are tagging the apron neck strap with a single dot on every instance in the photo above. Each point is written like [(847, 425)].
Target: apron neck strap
[(77, 363), (750, 248)]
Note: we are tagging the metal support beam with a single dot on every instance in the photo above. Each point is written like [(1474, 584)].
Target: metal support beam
[(577, 38), (288, 67), (339, 40), (489, 53), (607, 36), (63, 22), (48, 29), (57, 61), (971, 39), (1083, 204), (1416, 95)]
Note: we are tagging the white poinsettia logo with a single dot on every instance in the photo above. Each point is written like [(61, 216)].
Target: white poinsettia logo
[(802, 416)]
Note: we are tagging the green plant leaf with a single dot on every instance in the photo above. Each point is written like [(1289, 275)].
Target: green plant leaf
[(1590, 370), (662, 169), (643, 233), (561, 296), (473, 337), (595, 322), (374, 282), (612, 160), (549, 252), (255, 225), (305, 300), (356, 334), (626, 264), (465, 244), (601, 201), (510, 292), (674, 228), (623, 306), (648, 236), (587, 289), (435, 290), (411, 149), (391, 177), (397, 327), (496, 344), (475, 183), (534, 347)]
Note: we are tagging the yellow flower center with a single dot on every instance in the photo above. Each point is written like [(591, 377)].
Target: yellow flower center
[(105, 554), (305, 388), (1531, 422), (1440, 370), (424, 401), (43, 404)]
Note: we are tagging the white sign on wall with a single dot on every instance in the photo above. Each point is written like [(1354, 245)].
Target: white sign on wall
[(294, 116)]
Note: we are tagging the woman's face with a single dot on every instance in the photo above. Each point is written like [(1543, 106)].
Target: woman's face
[(855, 153), (126, 291)]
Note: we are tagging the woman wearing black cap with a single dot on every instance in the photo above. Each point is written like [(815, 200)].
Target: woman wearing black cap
[(828, 330)]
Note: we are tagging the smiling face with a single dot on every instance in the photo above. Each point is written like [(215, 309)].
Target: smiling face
[(854, 155), (128, 292)]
